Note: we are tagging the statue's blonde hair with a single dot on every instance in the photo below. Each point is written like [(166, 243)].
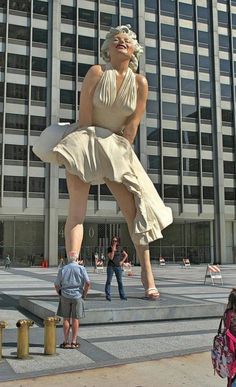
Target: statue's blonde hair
[(138, 50)]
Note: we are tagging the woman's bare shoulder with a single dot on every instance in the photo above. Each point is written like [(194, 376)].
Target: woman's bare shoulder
[(141, 80), (95, 70)]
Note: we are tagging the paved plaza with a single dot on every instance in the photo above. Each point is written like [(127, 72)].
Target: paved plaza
[(134, 342)]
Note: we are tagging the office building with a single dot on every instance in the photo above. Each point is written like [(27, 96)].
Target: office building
[(186, 140)]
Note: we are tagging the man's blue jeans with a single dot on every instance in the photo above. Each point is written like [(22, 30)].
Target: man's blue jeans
[(118, 272)]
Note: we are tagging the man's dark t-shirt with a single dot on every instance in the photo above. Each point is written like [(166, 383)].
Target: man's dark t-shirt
[(115, 262)]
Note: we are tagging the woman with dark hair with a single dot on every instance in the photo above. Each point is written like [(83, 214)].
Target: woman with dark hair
[(116, 258), (98, 149)]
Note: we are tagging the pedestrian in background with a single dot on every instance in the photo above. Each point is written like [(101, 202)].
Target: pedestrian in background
[(7, 262), (116, 258), (72, 285)]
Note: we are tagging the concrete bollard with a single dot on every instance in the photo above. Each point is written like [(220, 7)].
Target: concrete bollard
[(3, 325), (23, 338), (50, 338)]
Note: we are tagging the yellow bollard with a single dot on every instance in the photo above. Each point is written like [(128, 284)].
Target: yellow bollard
[(50, 339), (23, 338), (3, 325)]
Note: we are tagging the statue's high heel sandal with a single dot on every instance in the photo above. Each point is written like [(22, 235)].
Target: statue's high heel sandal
[(152, 294)]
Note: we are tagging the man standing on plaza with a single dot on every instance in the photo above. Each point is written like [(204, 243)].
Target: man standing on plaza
[(116, 258), (72, 284)]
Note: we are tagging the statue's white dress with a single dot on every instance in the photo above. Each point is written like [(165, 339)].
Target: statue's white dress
[(99, 152)]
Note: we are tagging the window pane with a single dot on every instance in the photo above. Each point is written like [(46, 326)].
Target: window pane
[(170, 110), (20, 5), (188, 86), (190, 137), (39, 64), (168, 7), (186, 11), (151, 27), (40, 36), (189, 112), (227, 115), (207, 166), (229, 167), (83, 69), (67, 96), (153, 134), (168, 57), (169, 83), (170, 135), (172, 191), (16, 121), (151, 53), (228, 141), (230, 193), (190, 165), (206, 139), (15, 152), (152, 107), (68, 68), (36, 184), (171, 163), (168, 31), (63, 186), (15, 90), (37, 123), (107, 19), (187, 35), (15, 183), (19, 32), (38, 93), (87, 16), (18, 61), (191, 192), (40, 7), (187, 59), (153, 162), (87, 43), (67, 40), (208, 193), (68, 12)]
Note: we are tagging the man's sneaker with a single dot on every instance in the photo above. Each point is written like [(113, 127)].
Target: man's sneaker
[(108, 298)]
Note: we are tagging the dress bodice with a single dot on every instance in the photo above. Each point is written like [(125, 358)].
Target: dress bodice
[(112, 107)]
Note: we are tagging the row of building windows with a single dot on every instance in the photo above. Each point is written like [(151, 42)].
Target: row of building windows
[(39, 7), (171, 191), (20, 121), (15, 90), (189, 164), (19, 152), (188, 137), (18, 184), (22, 62)]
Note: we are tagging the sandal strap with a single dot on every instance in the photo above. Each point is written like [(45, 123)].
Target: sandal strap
[(148, 290)]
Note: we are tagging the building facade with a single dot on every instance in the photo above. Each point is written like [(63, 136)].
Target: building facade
[(186, 140)]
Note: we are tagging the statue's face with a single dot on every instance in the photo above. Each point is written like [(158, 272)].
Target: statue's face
[(121, 44)]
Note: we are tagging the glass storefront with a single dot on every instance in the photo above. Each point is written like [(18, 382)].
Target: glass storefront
[(180, 240), (24, 241)]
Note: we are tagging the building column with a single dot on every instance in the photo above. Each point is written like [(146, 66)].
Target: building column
[(53, 98), (219, 229)]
